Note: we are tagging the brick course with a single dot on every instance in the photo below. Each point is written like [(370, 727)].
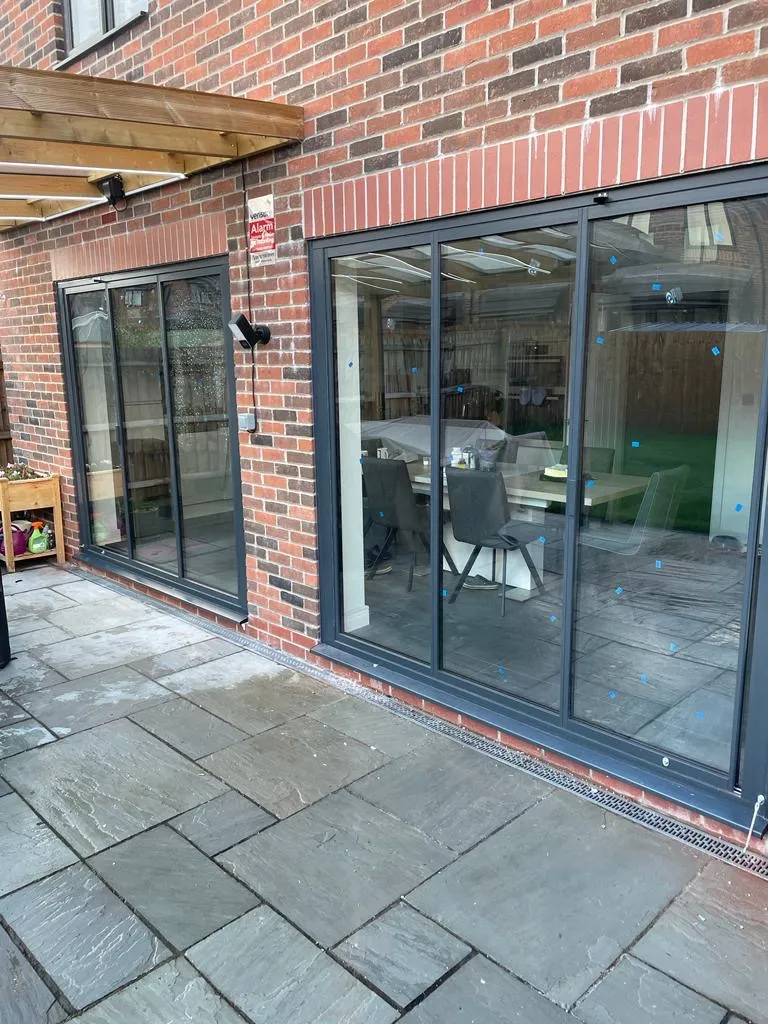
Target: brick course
[(414, 108)]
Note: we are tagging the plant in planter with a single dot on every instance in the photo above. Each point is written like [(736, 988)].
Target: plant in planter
[(19, 471)]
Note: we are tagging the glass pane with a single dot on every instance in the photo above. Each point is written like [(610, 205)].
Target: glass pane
[(198, 368), (675, 361), (139, 344), (95, 369), (126, 9), (505, 337), (381, 323), (85, 20)]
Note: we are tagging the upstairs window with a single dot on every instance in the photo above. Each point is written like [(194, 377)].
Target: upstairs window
[(88, 20)]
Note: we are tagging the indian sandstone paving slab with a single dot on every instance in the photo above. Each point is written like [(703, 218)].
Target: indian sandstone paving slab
[(177, 889), (24, 673), (633, 993), (34, 604), (11, 712), (93, 700), (39, 578), (82, 591), (24, 997), (40, 638), (294, 765), (454, 794), (481, 993), (84, 655), (252, 692), (401, 953), (84, 938), (554, 896), (27, 623), (714, 938), (28, 848), (222, 822), (174, 994), (188, 728), (106, 612), (4, 788), (107, 784), (335, 865), (373, 725), (160, 665), (274, 974), (23, 736)]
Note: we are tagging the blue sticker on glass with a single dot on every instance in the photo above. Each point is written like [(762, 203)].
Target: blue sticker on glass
[(414, 369), (612, 694), (673, 648), (739, 507), (715, 350), (656, 287), (700, 715), (460, 389), (350, 364), (613, 260), (381, 515), (635, 444), (590, 483), (599, 340), (444, 593), (619, 591), (643, 677), (500, 670), (659, 563), (542, 540), (719, 236), (553, 618)]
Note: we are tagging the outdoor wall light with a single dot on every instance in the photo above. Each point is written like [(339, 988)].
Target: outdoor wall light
[(113, 190), (249, 335)]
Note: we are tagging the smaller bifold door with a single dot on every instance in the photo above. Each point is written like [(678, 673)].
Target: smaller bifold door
[(151, 385)]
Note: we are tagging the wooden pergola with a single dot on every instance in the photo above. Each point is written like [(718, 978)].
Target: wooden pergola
[(60, 134)]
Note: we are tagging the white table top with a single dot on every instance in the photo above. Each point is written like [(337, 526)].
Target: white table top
[(529, 487)]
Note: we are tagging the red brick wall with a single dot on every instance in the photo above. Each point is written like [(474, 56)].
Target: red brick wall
[(414, 108)]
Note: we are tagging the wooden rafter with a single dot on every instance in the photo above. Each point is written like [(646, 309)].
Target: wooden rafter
[(60, 133)]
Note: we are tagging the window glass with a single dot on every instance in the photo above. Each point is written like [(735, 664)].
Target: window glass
[(198, 369), (86, 20), (92, 344), (126, 9), (381, 322), (505, 345), (676, 344)]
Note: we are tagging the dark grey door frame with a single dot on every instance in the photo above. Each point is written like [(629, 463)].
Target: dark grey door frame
[(719, 794)]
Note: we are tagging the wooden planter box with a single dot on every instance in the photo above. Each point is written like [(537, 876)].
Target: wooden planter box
[(20, 495)]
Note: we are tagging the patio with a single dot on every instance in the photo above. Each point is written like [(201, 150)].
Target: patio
[(190, 832)]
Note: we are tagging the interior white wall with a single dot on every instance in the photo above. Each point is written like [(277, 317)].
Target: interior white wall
[(736, 434), (348, 346)]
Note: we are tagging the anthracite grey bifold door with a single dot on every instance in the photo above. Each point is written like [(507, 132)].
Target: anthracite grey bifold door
[(547, 434), (152, 387)]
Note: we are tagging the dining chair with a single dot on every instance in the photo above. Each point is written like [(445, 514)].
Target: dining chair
[(655, 517), (480, 516), (392, 504)]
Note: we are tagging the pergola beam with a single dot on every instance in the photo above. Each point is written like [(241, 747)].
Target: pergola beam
[(61, 133), (26, 89), (33, 153), (48, 186)]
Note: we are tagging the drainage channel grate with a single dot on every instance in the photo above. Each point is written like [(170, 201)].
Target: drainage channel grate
[(650, 819)]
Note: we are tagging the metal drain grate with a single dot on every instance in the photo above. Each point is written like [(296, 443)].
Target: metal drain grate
[(687, 834)]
